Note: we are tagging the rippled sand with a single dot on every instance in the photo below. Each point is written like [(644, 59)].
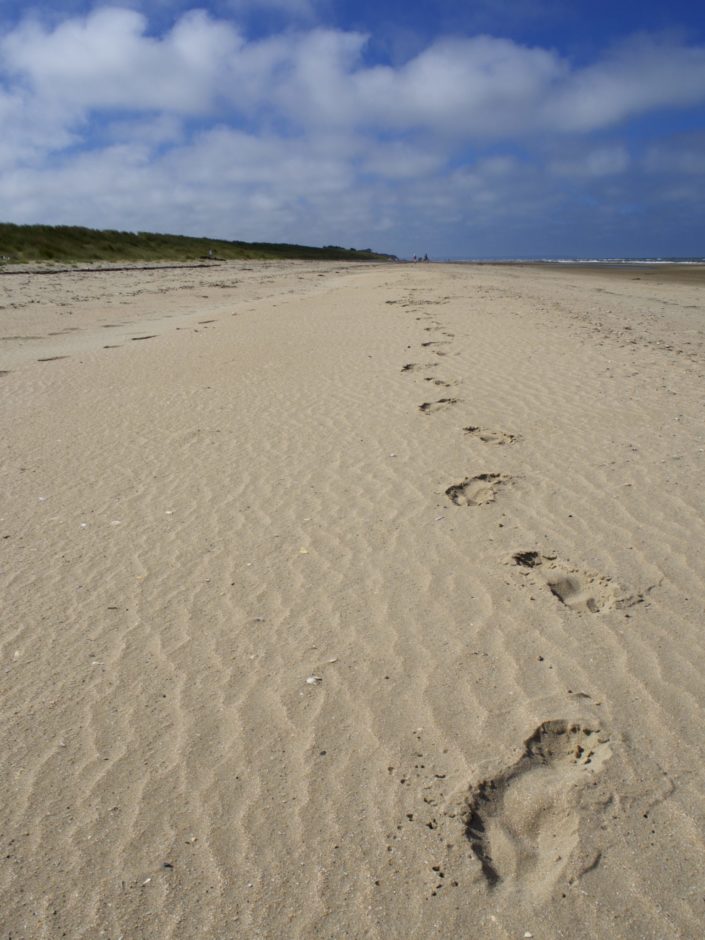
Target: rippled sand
[(352, 602)]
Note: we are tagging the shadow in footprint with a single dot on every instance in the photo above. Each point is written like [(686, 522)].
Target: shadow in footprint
[(151, 336), (524, 824), (478, 490), (430, 407), (490, 437), (576, 589), (440, 382)]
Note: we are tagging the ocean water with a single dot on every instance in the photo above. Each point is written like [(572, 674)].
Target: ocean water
[(603, 261)]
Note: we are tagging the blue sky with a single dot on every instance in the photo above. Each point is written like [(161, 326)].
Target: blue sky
[(489, 128)]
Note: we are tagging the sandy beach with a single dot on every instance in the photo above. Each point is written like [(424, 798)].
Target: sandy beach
[(352, 602)]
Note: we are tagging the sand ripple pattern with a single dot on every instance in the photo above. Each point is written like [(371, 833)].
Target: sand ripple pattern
[(505, 730)]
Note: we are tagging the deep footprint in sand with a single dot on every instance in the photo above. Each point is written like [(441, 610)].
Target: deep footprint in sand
[(488, 436), (478, 490), (429, 407), (575, 589), (524, 825)]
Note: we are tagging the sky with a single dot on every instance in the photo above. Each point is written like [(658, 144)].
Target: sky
[(494, 128)]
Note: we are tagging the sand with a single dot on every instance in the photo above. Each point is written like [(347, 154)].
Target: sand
[(352, 602)]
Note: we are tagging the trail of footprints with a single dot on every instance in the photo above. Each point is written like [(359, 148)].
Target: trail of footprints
[(524, 823), (105, 326)]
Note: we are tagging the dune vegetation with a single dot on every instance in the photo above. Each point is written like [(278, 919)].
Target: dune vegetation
[(71, 244)]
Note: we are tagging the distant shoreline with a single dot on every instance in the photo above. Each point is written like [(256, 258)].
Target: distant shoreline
[(682, 272), (578, 262)]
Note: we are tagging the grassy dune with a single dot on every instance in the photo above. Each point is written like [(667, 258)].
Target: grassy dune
[(69, 243)]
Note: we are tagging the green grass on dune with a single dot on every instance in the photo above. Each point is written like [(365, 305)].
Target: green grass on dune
[(71, 243)]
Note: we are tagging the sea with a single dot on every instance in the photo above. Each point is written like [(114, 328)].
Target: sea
[(602, 261)]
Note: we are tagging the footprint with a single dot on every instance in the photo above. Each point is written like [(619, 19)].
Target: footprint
[(151, 336), (429, 407), (575, 589), (52, 358), (430, 378), (417, 366), (478, 490), (524, 825), (490, 437), (436, 342)]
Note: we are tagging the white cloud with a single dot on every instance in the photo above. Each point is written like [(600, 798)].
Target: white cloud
[(106, 61), (296, 136), (473, 87), (594, 164), (400, 160), (153, 131), (476, 87), (641, 76), (31, 130)]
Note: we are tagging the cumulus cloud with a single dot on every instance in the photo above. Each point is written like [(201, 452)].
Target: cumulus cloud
[(640, 76), (478, 87), (473, 86), (107, 61), (200, 128)]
